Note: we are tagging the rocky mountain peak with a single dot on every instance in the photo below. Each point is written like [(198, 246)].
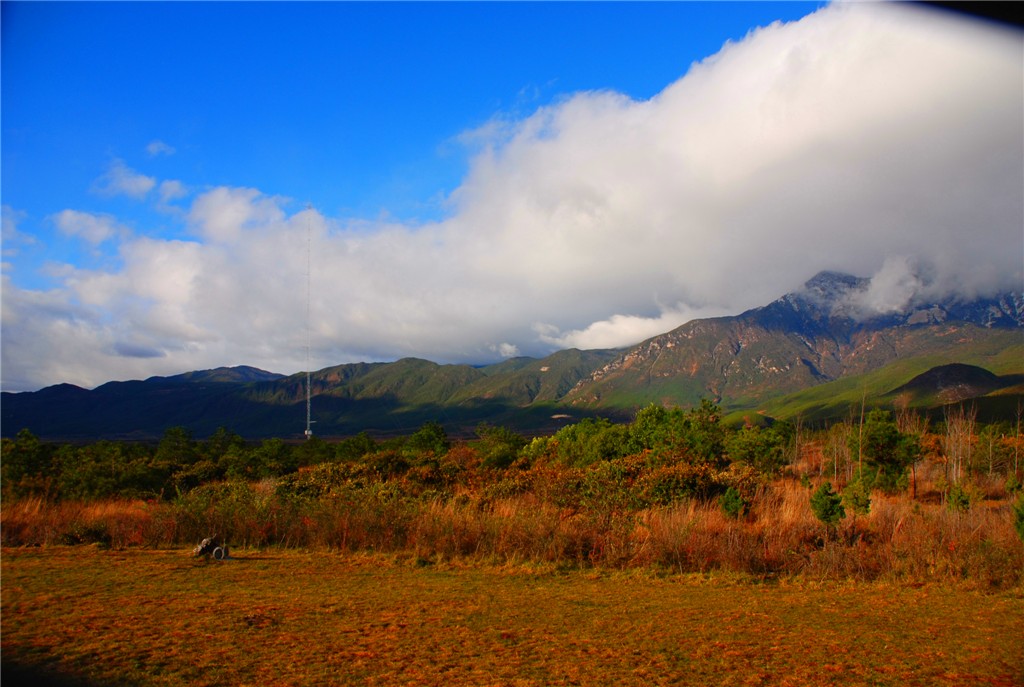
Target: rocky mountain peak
[(841, 303), (828, 286)]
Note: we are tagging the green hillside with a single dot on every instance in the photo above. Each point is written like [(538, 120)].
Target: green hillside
[(749, 369), (527, 381), (1002, 355)]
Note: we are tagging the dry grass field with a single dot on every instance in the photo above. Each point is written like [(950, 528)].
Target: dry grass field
[(285, 617)]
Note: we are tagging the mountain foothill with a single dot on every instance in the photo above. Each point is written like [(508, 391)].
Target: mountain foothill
[(816, 353)]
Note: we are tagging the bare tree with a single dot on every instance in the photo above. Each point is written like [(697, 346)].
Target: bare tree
[(957, 444), (910, 422), (797, 446), (860, 434), (837, 448), (989, 441)]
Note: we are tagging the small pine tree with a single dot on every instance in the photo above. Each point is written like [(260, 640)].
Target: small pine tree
[(958, 499), (827, 505), (732, 503), (857, 496)]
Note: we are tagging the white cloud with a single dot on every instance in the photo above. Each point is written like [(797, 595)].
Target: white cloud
[(121, 180), (871, 139), (222, 215), (831, 142), (158, 147), (171, 190), (892, 287), (91, 227), (9, 233), (10, 220), (619, 330), (506, 350)]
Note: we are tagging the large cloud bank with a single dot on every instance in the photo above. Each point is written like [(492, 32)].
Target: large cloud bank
[(875, 140)]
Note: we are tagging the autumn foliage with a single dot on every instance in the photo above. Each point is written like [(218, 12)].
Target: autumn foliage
[(674, 490)]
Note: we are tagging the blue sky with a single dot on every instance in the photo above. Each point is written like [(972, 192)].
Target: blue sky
[(356, 108), (487, 179)]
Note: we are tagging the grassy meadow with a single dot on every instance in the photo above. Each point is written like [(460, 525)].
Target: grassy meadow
[(672, 550), (285, 617)]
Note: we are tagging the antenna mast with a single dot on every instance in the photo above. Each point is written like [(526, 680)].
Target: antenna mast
[(309, 373)]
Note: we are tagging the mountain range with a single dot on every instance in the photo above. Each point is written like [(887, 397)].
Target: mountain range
[(816, 353)]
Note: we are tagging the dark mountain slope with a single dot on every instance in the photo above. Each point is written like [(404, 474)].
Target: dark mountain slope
[(385, 398), (135, 409), (950, 384)]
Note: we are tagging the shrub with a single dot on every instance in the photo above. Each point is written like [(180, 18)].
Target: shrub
[(665, 485), (388, 464), (958, 499), (887, 452), (732, 503), (1013, 485), (857, 496), (430, 438), (498, 446), (591, 441), (764, 450), (827, 505), (649, 429)]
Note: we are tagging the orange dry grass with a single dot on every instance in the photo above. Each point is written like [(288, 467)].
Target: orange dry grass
[(118, 523), (910, 542), (694, 536), (900, 539), (293, 618)]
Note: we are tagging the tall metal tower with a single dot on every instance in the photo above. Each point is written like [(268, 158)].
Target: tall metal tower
[(309, 372)]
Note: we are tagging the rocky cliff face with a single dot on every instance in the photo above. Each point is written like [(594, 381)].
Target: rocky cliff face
[(816, 334)]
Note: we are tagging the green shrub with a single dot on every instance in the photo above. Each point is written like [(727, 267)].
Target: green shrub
[(591, 441), (1013, 484), (763, 449), (732, 503), (857, 496), (886, 451), (388, 464), (498, 446), (827, 505), (666, 485), (958, 499), (430, 438)]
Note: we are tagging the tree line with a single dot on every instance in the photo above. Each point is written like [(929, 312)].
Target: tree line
[(881, 451)]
